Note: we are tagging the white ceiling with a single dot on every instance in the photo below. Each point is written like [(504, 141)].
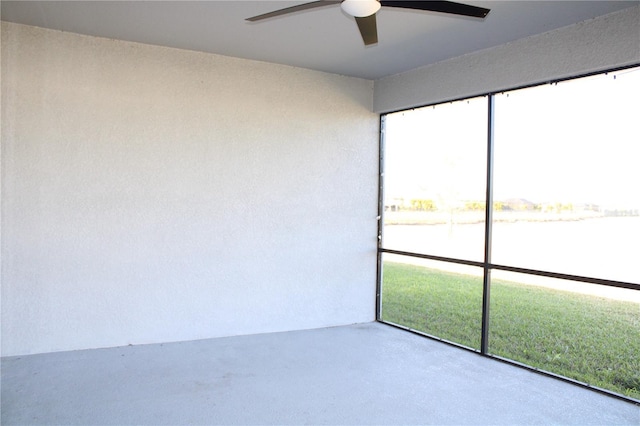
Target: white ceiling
[(324, 39)]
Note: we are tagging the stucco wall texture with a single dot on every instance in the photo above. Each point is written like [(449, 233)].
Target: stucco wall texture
[(152, 194)]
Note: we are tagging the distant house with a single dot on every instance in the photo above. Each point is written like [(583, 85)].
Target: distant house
[(518, 204), (393, 204)]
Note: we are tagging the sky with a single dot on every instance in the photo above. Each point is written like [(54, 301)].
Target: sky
[(576, 142)]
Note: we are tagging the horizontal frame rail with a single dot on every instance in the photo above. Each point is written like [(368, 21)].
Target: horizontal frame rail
[(569, 277)]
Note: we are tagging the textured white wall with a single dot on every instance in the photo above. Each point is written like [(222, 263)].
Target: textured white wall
[(602, 43), (151, 194)]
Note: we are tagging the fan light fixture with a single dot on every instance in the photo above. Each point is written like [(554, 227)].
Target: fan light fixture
[(365, 11), (360, 8)]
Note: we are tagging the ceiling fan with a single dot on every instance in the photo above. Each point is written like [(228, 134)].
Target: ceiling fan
[(365, 11)]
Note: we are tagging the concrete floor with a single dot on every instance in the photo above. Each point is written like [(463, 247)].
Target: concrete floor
[(360, 374)]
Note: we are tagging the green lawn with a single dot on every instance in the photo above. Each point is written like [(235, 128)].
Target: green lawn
[(587, 338)]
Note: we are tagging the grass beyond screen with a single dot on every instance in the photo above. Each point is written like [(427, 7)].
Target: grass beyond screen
[(587, 338)]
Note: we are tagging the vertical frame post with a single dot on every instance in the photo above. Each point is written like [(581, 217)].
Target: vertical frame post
[(380, 218), (488, 225)]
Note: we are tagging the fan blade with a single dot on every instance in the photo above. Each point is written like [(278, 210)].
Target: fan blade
[(368, 29), (298, 8), (440, 6)]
